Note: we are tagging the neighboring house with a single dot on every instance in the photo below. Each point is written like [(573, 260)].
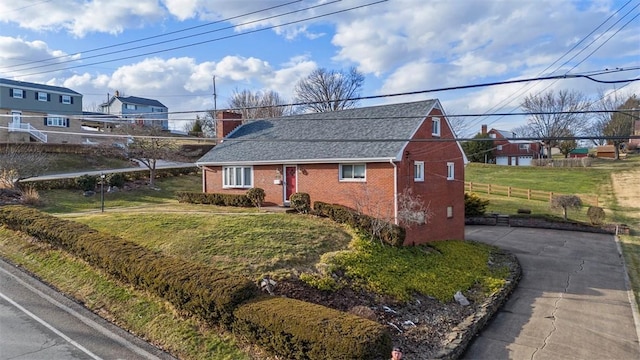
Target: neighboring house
[(579, 153), (363, 158), (38, 113), (137, 110), (512, 152)]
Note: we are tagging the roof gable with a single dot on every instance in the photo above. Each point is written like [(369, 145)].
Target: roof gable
[(377, 133)]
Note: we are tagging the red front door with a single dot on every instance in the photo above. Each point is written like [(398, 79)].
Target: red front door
[(290, 181)]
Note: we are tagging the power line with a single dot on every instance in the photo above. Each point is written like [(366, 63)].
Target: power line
[(520, 91), (214, 40), (149, 37)]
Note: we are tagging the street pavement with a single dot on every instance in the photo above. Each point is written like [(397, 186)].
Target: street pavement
[(37, 322), (573, 301)]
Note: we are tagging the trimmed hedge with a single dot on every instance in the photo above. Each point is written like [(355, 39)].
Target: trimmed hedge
[(192, 287), (214, 199), (134, 174), (300, 330), (301, 202), (393, 234), (290, 328)]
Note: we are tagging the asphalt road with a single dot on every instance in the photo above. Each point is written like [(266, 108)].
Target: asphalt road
[(37, 322)]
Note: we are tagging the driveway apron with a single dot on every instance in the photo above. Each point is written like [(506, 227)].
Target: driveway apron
[(573, 301)]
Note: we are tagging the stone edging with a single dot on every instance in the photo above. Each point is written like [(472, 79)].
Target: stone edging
[(458, 340), (533, 222)]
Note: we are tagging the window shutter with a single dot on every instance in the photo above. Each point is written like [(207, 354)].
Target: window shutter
[(71, 99), (67, 121), (10, 92), (36, 94), (45, 121), (48, 97), (60, 98)]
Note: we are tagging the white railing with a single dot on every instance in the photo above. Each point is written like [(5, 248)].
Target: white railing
[(30, 129)]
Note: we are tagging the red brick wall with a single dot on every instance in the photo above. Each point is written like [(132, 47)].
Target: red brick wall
[(436, 191)]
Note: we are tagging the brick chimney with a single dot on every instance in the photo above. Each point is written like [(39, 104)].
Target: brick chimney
[(484, 129), (226, 122)]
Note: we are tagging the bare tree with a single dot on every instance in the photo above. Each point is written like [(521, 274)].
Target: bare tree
[(148, 144), (607, 104), (620, 126), (19, 161), (565, 202), (412, 210), (329, 90), (555, 115), (258, 105)]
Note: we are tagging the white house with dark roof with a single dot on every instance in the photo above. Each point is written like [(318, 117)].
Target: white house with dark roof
[(138, 110), (363, 158), (32, 112)]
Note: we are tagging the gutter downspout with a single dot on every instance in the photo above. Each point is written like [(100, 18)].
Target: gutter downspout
[(395, 191), (204, 182)]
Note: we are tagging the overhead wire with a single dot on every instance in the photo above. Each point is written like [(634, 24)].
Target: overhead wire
[(520, 91), (216, 39), (151, 37)]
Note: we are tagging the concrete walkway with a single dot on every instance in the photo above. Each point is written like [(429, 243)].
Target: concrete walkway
[(572, 302)]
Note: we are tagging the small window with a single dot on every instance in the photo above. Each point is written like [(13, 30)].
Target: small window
[(449, 212), (418, 171), (130, 106), (352, 172), (42, 96), (435, 126), (499, 147), (66, 99), (17, 93), (237, 177), (450, 171)]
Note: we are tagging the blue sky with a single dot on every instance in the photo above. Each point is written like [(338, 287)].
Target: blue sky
[(400, 46)]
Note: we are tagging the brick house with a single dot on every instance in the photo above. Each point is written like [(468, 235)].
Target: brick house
[(512, 152), (362, 158)]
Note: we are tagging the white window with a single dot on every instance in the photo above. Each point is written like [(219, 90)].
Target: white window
[(352, 172), (435, 126), (57, 121), (42, 96), (237, 176), (130, 106), (65, 99), (450, 171), (524, 147), (17, 93), (418, 171), (499, 147), (449, 212)]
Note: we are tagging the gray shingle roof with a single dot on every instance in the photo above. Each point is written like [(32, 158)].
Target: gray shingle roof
[(353, 134), (141, 101), (24, 84)]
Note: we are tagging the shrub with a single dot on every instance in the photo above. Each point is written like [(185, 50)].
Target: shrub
[(596, 215), (191, 287), (391, 234), (301, 202), (325, 283), (256, 196), (565, 202), (116, 179), (30, 196), (213, 199), (86, 182), (299, 330), (474, 205)]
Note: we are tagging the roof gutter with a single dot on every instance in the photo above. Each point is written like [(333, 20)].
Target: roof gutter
[(298, 161)]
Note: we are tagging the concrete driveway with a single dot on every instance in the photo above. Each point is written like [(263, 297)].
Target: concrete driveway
[(573, 301)]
